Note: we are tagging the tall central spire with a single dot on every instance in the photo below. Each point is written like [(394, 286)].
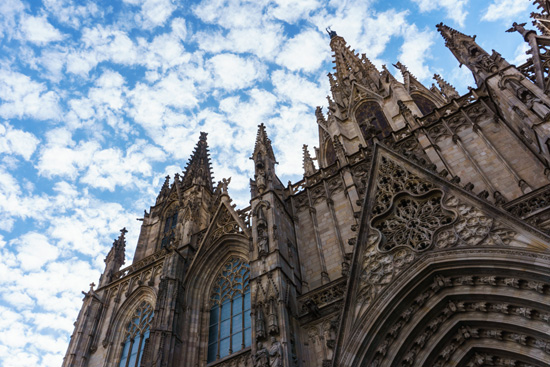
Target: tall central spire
[(199, 169)]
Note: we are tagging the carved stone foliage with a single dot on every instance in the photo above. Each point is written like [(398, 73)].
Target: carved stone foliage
[(240, 360), (414, 217), (393, 179), (530, 204), (486, 359), (323, 297), (225, 224), (459, 306)]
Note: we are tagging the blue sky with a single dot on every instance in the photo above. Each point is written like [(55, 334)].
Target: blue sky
[(99, 100)]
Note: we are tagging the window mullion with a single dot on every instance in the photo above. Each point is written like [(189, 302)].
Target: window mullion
[(130, 351), (139, 350), (219, 330), (231, 327)]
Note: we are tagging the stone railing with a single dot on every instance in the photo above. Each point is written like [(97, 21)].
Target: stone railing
[(530, 204), (140, 264), (324, 296), (239, 359)]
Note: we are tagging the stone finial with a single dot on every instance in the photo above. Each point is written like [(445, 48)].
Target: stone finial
[(447, 89), (309, 166), (199, 168)]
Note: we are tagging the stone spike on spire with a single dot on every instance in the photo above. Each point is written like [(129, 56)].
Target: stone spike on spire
[(469, 53), (164, 190), (114, 259), (452, 36), (447, 89), (320, 117), (199, 169), (263, 143), (309, 166)]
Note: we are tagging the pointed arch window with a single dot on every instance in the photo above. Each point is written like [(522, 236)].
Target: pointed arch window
[(230, 327), (169, 227), (424, 104), (371, 114), (137, 333)]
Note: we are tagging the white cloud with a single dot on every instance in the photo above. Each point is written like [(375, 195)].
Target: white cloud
[(153, 13), (23, 97), (305, 51), (293, 88), (38, 30), (416, 50), (505, 9), (34, 251), (520, 56), (455, 9), (290, 10), (18, 142), (234, 72), (9, 12)]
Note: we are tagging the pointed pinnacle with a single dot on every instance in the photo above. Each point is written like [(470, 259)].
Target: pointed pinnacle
[(449, 33), (198, 168)]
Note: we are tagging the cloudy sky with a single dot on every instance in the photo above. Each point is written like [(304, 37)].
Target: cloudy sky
[(98, 102)]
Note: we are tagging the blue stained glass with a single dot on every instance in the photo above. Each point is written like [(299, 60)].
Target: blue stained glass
[(237, 341), (226, 319), (175, 220), (247, 319), (237, 323), (125, 353), (213, 332), (247, 338), (226, 311), (212, 351), (237, 304), (224, 347), (138, 329), (133, 355), (225, 329), (214, 314)]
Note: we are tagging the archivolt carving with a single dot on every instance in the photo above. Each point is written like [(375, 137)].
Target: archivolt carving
[(455, 307), (486, 359)]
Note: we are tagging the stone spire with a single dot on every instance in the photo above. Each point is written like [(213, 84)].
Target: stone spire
[(114, 259), (350, 68), (199, 169), (264, 160), (447, 89), (309, 167), (164, 190), (469, 53)]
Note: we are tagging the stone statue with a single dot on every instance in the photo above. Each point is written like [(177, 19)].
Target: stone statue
[(272, 319), (260, 323), (276, 353), (261, 359), (263, 242), (260, 180)]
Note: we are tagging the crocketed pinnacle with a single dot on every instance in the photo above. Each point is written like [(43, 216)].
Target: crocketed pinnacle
[(199, 169), (447, 89), (309, 167), (263, 144), (453, 37)]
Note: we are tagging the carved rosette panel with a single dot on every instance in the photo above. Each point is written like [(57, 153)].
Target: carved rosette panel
[(412, 222), (393, 179), (225, 224), (413, 217)]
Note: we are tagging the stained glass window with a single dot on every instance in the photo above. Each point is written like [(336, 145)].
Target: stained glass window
[(137, 332), (424, 104), (370, 114), (230, 328), (169, 225)]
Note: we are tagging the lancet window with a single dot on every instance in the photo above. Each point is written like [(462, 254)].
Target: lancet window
[(137, 333), (424, 104), (169, 227), (230, 327), (369, 115)]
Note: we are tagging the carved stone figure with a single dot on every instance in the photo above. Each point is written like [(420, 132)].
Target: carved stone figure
[(275, 353), (261, 359), (260, 323), (272, 319)]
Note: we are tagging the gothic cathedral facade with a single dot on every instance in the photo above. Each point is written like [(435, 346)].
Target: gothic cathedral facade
[(420, 237)]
